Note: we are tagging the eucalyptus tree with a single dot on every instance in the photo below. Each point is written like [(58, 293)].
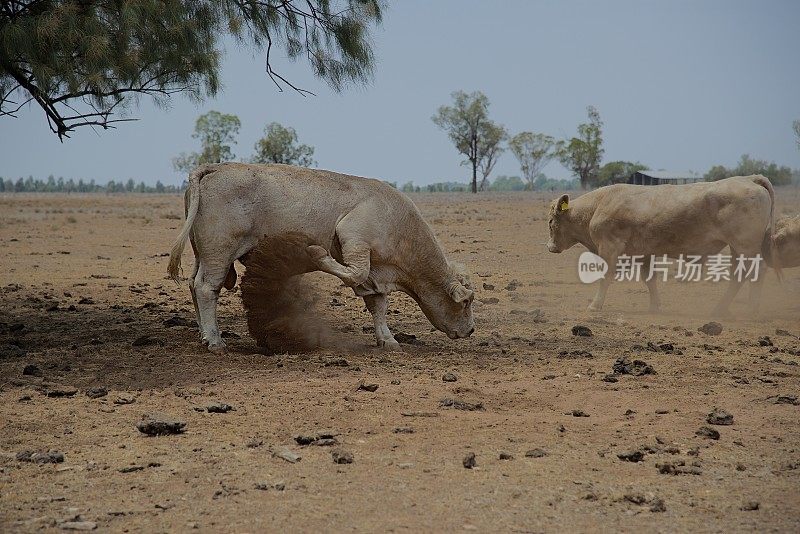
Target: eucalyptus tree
[(474, 135), (280, 144), (216, 132), (533, 151)]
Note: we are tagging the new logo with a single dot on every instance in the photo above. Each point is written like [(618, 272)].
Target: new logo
[(591, 267)]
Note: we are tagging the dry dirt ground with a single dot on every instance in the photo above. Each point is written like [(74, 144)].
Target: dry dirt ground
[(84, 301)]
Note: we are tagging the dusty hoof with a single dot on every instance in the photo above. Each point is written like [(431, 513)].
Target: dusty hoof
[(217, 347), (388, 344), (316, 252), (593, 308)]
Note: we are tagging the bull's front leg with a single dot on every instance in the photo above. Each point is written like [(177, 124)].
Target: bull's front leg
[(377, 305), (602, 288), (652, 288)]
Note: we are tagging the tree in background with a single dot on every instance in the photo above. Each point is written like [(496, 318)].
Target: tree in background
[(534, 152), (84, 61), (489, 149), (217, 132), (582, 155), (796, 128), (617, 172), (777, 175), (280, 145), (508, 183), (474, 135)]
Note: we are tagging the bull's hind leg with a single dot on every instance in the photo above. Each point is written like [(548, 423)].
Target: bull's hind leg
[(735, 284), (756, 288), (194, 297), (377, 305), (207, 284)]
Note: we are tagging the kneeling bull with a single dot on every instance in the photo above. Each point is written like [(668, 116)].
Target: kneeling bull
[(361, 230)]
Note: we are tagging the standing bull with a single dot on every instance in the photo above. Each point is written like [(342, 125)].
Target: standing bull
[(786, 252), (694, 219), (363, 231)]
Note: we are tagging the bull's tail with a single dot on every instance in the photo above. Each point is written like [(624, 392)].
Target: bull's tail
[(768, 248), (192, 202)]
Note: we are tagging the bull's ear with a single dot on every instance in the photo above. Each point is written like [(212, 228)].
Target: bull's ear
[(563, 203), (459, 293)]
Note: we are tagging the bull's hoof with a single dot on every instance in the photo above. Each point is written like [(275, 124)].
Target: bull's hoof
[(388, 344), (316, 252), (217, 347), (595, 307)]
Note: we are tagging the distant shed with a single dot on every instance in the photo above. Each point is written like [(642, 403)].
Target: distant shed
[(664, 177)]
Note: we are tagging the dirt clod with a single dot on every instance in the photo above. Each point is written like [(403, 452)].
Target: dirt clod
[(160, 425), (535, 453), (32, 370), (469, 461), (719, 416), (96, 392), (707, 432), (624, 366), (146, 340), (61, 391), (317, 438), (177, 320), (372, 388), (677, 468), (78, 525), (712, 329), (461, 405), (407, 339), (341, 456), (580, 330), (635, 455), (449, 377), (219, 407), (284, 454), (41, 457)]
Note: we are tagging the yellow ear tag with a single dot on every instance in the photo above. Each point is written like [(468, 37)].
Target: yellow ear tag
[(564, 206)]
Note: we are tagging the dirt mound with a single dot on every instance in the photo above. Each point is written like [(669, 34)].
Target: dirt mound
[(279, 303)]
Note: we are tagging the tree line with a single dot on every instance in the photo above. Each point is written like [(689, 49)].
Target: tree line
[(53, 185)]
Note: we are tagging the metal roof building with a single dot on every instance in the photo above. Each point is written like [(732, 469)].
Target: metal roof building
[(664, 177)]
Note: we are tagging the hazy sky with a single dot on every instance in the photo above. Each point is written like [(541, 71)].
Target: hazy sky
[(680, 85)]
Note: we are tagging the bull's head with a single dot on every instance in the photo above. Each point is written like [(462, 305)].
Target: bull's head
[(560, 235), (450, 310)]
